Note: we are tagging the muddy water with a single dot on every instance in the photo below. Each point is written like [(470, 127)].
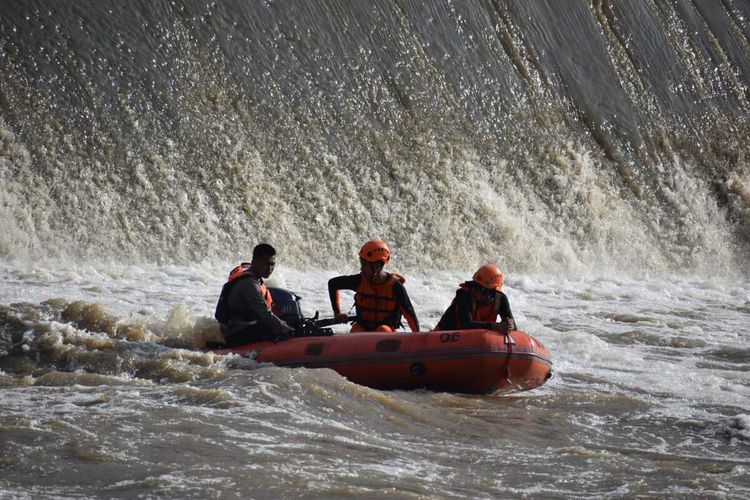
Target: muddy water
[(103, 397)]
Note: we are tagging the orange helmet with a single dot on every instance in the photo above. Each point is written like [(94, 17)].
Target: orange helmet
[(489, 276), (375, 251)]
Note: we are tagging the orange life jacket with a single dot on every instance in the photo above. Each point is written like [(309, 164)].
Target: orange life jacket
[(224, 313), (243, 270), (486, 313), (376, 303)]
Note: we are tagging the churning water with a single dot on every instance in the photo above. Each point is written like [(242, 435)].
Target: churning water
[(598, 151)]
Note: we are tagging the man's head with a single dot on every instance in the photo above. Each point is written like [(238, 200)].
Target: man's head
[(370, 269), (264, 260), (373, 256), (488, 280)]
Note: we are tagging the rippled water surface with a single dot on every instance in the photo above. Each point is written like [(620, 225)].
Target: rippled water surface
[(104, 394)]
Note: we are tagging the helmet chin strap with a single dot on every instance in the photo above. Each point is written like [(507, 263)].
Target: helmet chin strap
[(379, 276)]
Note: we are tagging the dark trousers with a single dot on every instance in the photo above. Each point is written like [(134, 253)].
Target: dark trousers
[(237, 335)]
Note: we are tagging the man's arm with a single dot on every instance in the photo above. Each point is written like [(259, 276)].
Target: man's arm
[(505, 314), (253, 300), (407, 309), (350, 282)]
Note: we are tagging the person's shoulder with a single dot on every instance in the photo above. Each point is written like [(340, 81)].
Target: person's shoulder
[(399, 288), (398, 284), (248, 281), (396, 278), (346, 278)]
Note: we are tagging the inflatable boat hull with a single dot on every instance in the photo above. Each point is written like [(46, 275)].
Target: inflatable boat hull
[(466, 361)]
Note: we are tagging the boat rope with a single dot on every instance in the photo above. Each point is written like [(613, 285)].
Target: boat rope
[(509, 341)]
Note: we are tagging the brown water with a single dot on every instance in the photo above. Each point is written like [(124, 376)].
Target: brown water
[(647, 400)]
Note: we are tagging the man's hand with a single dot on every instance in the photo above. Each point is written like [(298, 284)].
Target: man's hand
[(285, 328), (505, 326), (501, 327), (341, 317)]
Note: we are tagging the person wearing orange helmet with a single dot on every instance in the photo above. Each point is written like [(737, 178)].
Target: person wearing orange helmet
[(380, 297), (478, 303)]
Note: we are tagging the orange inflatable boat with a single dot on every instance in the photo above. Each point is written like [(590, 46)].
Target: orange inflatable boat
[(466, 361)]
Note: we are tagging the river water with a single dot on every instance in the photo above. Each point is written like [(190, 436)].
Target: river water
[(597, 151), (106, 397)]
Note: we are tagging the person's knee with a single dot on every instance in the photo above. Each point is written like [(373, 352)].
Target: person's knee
[(356, 328)]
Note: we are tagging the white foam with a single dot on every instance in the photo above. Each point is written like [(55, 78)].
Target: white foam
[(655, 336)]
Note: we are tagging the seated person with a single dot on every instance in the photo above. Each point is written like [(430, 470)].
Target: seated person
[(380, 297), (478, 303), (244, 308)]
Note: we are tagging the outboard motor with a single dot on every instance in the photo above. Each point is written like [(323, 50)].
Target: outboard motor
[(286, 306)]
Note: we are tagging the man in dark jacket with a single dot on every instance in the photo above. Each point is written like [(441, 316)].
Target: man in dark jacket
[(244, 308)]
